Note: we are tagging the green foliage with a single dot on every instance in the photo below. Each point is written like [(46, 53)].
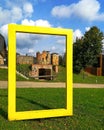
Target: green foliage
[(23, 68), (62, 60), (86, 49), (77, 55), (88, 109)]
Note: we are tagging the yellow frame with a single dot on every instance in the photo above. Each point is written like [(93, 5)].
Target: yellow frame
[(12, 114)]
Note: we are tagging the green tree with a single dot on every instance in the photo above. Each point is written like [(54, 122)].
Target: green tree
[(92, 46), (62, 59), (77, 55), (86, 49)]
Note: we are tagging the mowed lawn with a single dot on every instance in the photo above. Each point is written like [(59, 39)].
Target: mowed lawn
[(88, 106)]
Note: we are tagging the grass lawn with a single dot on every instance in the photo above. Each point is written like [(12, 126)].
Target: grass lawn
[(4, 75), (88, 109), (90, 79), (61, 77)]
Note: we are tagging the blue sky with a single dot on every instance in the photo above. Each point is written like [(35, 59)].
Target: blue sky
[(78, 15)]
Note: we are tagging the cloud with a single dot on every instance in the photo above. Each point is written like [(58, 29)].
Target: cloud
[(77, 34), (28, 41), (27, 22), (61, 41), (85, 9), (87, 28), (4, 29), (61, 11), (39, 22), (15, 12), (7, 16), (28, 9)]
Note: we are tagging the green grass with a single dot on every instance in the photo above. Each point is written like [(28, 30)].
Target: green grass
[(78, 78), (60, 77), (88, 109), (4, 75)]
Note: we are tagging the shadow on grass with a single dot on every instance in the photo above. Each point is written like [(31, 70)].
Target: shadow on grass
[(34, 102), (3, 113)]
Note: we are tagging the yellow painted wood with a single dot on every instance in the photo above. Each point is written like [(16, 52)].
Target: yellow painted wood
[(12, 114)]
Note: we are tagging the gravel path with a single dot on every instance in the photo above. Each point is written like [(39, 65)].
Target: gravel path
[(27, 84)]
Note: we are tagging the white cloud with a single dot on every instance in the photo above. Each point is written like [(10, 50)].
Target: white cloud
[(28, 9), (31, 51), (28, 22), (77, 34), (87, 28), (26, 40), (61, 11), (15, 12), (4, 30), (11, 15), (84, 9), (39, 22), (61, 41)]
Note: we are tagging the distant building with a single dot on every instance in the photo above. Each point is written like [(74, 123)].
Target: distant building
[(55, 59), (99, 68), (43, 58), (46, 63), (40, 71), (22, 59)]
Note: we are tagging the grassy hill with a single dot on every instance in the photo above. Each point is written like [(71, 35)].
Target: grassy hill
[(4, 75)]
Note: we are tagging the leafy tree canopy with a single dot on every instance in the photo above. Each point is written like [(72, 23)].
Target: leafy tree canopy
[(86, 49)]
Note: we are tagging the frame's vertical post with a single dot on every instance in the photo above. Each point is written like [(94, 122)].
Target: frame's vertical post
[(69, 72), (11, 71)]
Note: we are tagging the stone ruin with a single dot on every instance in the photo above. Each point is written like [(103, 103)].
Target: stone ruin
[(45, 64)]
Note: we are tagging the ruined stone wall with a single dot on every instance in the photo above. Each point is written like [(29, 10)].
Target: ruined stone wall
[(55, 59), (36, 68), (25, 59), (43, 58)]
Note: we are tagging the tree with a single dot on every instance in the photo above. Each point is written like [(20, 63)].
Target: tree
[(92, 46), (77, 55), (87, 49), (62, 59)]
